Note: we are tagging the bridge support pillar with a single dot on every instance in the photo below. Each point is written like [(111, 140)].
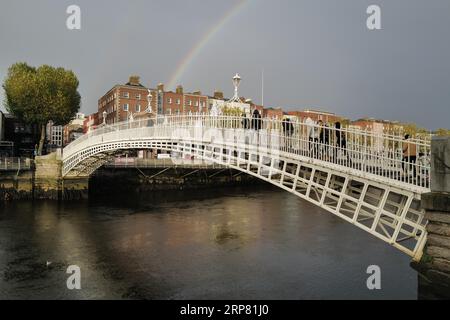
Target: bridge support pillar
[(49, 183), (434, 267)]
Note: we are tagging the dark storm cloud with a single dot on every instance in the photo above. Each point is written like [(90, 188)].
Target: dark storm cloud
[(315, 53)]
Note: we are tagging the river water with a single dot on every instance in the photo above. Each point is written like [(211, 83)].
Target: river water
[(229, 243)]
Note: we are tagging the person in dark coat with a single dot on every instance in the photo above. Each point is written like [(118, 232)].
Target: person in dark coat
[(288, 131), (288, 127), (341, 142), (245, 121), (324, 138), (256, 120)]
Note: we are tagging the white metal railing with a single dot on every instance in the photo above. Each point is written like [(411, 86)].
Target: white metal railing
[(364, 151), (162, 163), (8, 164)]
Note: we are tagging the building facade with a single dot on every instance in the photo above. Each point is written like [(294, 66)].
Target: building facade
[(90, 122), (218, 105), (21, 137), (2, 126), (378, 126), (122, 101), (55, 136), (273, 113), (6, 147), (133, 100), (316, 115), (74, 129)]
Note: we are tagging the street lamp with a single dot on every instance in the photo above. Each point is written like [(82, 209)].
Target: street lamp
[(236, 81), (104, 117)]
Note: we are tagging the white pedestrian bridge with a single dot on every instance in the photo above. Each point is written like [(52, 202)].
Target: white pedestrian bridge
[(360, 176)]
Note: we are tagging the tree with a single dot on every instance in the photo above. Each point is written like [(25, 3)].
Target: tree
[(443, 132), (40, 95)]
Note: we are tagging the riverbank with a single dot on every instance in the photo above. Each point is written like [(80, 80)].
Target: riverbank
[(27, 185), (119, 181)]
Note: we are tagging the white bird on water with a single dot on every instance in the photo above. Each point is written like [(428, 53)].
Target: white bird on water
[(48, 263)]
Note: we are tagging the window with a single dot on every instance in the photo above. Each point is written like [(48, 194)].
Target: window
[(196, 103), (189, 102), (126, 95), (138, 96), (178, 101), (125, 107), (138, 108)]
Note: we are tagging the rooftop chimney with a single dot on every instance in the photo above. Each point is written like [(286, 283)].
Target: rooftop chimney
[(134, 80), (160, 87), (179, 89), (218, 95)]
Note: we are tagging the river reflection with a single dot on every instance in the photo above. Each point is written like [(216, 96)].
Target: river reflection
[(228, 243)]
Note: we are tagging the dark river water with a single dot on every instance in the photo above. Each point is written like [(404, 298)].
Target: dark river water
[(230, 243)]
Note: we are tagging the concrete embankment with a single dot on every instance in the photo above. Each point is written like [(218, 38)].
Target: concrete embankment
[(44, 180), (110, 180)]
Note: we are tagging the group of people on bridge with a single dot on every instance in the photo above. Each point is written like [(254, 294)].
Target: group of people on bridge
[(329, 142)]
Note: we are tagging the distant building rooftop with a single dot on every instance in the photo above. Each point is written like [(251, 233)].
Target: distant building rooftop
[(319, 111)]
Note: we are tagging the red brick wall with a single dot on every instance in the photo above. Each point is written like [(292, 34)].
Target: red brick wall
[(113, 102), (170, 105), (316, 116), (273, 113), (137, 96)]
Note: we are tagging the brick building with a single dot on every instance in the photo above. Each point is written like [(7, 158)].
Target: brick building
[(132, 98), (316, 115), (90, 122), (122, 100), (179, 102), (374, 125), (273, 113)]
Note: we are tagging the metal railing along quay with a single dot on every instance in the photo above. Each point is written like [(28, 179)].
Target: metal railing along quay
[(15, 164)]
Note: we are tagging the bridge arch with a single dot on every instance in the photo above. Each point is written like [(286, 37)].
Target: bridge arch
[(347, 182)]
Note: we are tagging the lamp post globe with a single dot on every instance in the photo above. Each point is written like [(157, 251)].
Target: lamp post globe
[(236, 80)]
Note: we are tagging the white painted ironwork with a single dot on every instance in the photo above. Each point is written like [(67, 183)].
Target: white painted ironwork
[(162, 163), (236, 81), (359, 176)]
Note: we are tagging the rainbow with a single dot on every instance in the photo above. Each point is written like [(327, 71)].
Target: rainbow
[(197, 48)]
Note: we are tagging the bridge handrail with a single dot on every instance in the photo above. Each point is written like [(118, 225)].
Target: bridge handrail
[(366, 151), (266, 122)]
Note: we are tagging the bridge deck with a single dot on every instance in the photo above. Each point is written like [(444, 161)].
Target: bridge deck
[(360, 176)]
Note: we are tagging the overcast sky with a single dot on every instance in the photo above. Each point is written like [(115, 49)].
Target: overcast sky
[(315, 53)]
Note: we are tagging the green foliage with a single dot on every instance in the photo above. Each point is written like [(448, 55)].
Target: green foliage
[(231, 111), (38, 95), (443, 132)]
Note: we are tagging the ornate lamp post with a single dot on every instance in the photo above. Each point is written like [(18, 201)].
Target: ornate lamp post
[(236, 82), (104, 117)]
